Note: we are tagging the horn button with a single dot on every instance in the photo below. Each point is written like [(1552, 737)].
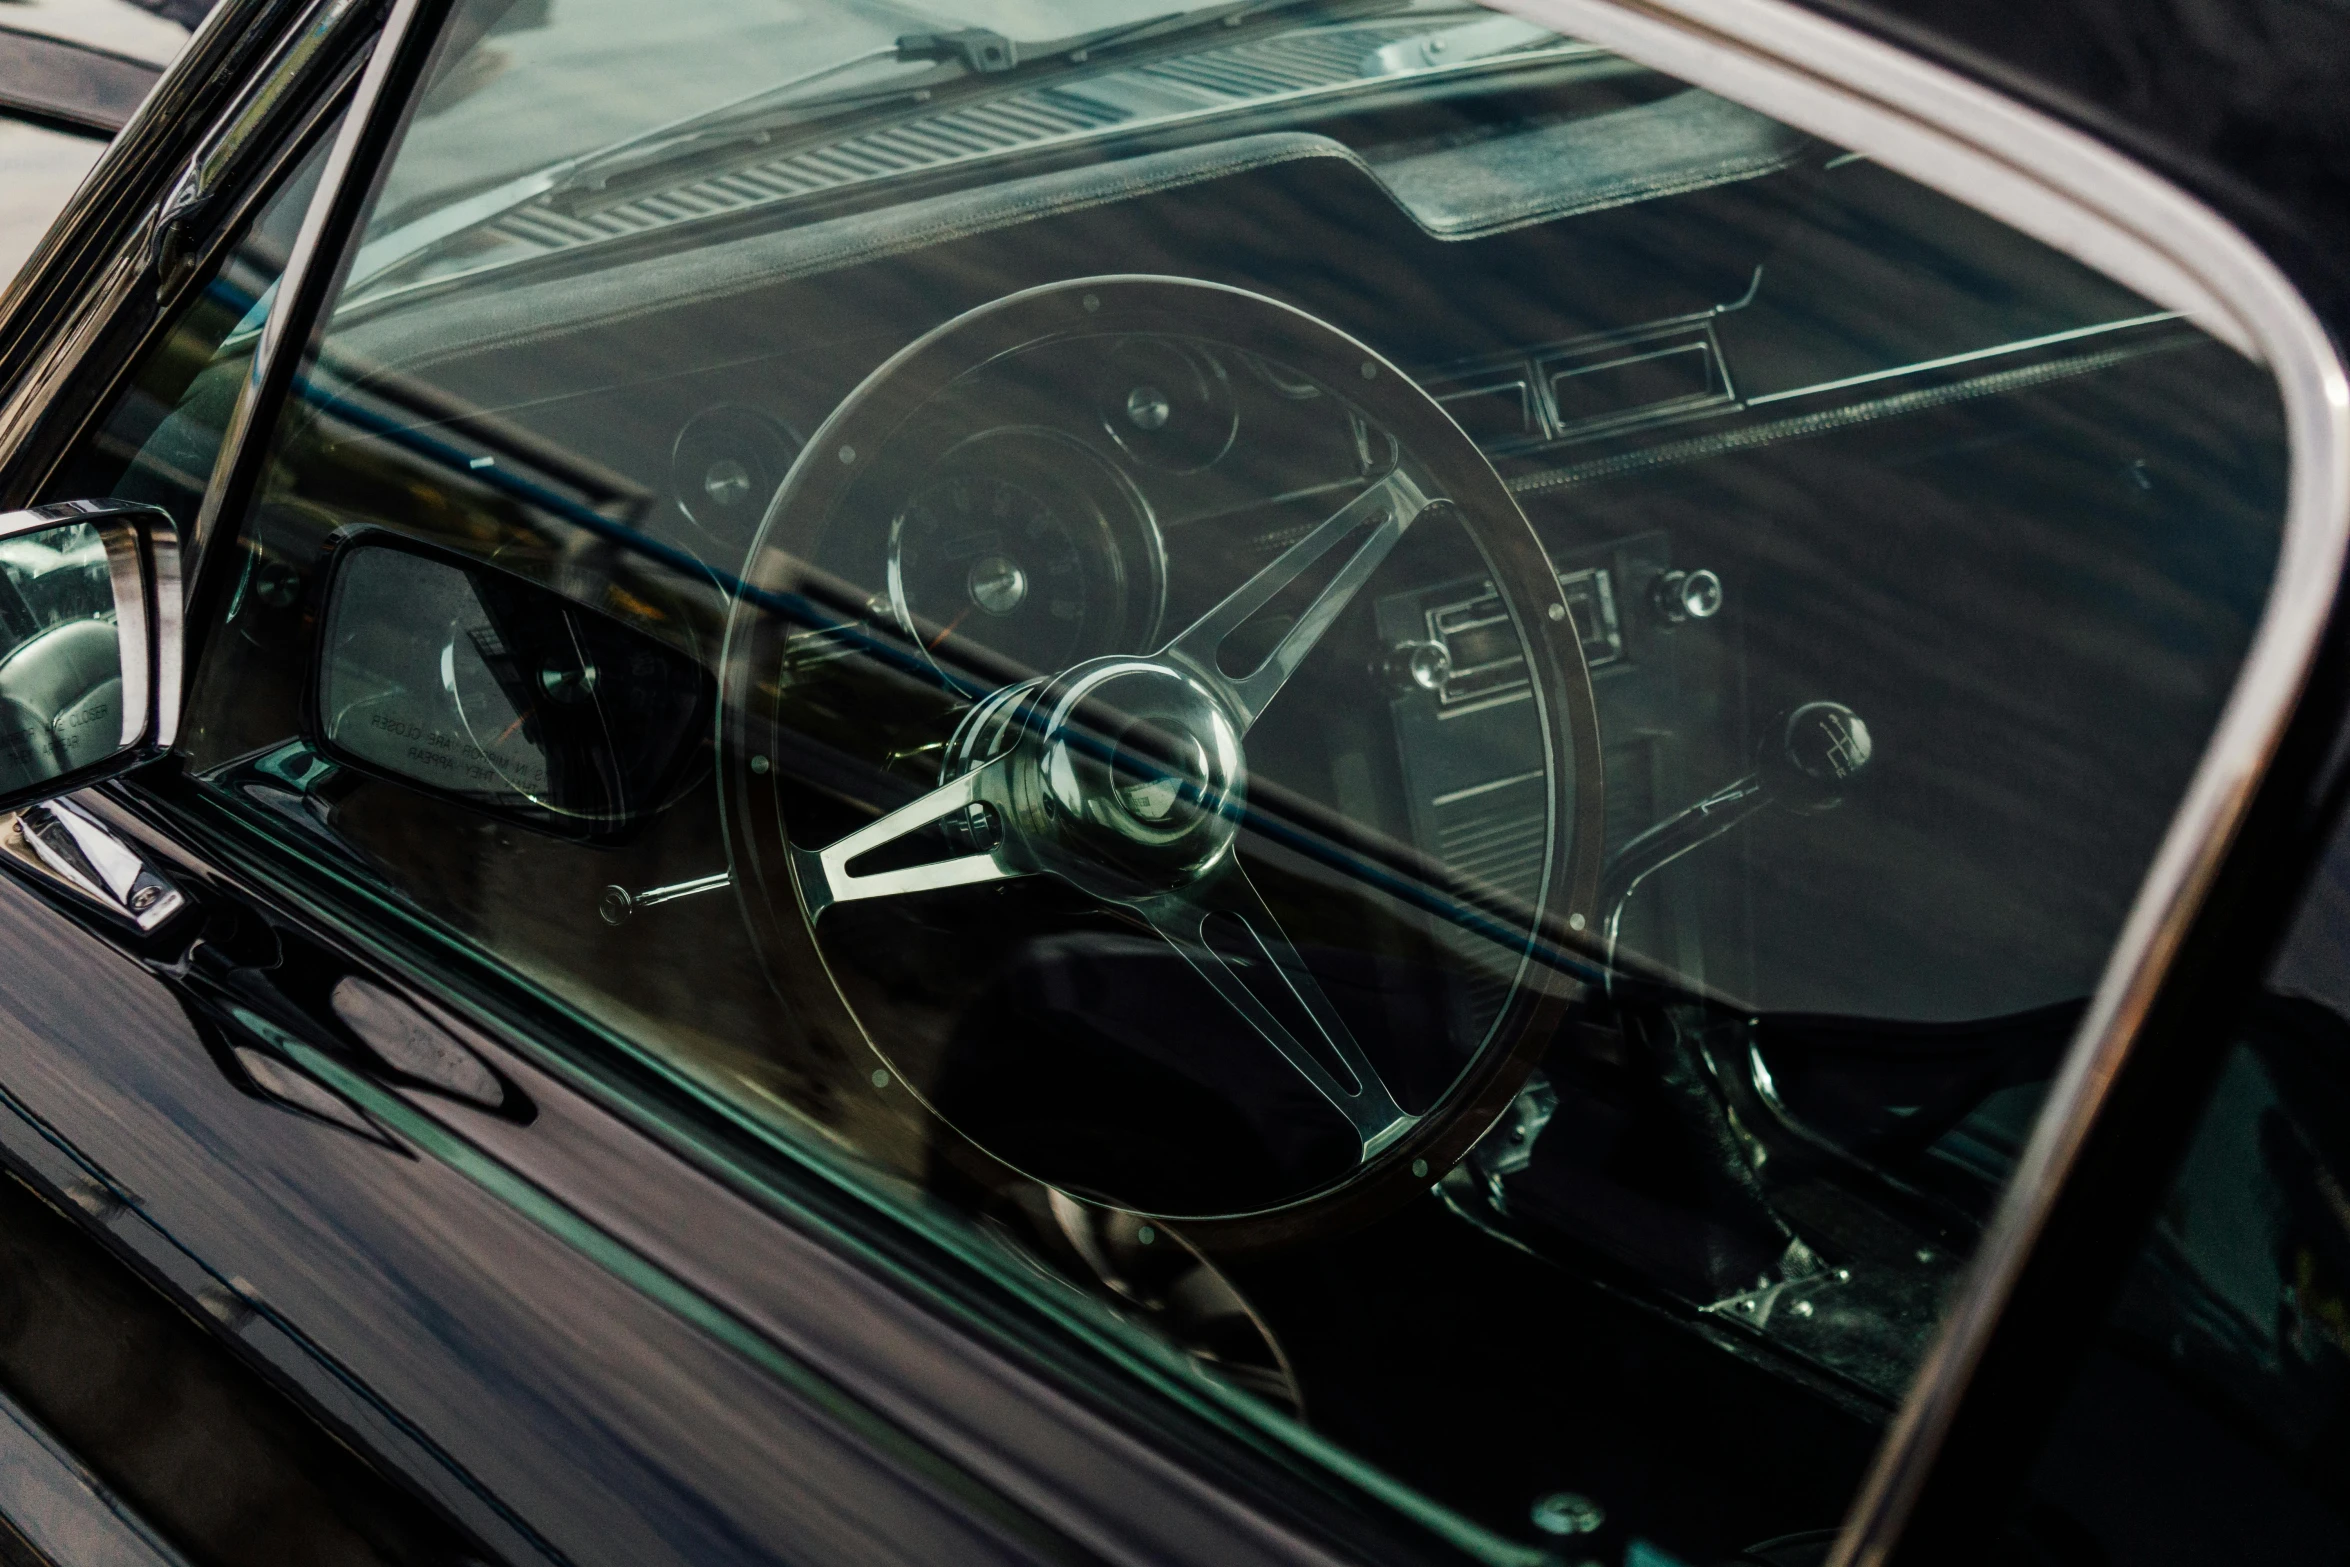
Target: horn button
[(1126, 775)]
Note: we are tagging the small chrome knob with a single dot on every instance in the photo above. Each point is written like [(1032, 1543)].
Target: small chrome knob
[(997, 584), (1419, 666), (1682, 596), (1149, 408)]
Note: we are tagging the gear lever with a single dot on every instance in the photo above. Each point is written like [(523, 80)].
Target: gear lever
[(1809, 757)]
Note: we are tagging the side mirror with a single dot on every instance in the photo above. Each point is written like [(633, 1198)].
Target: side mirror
[(89, 644), (450, 675)]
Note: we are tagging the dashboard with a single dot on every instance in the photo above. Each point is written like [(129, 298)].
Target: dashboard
[(1632, 373)]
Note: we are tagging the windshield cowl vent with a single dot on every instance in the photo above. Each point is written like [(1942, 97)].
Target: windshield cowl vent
[(1026, 118)]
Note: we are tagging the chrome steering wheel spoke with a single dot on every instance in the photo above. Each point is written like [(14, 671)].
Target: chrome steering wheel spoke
[(1261, 975), (1371, 523), (965, 804)]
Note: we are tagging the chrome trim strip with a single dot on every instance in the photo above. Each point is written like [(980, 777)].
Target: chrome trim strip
[(2086, 199), (134, 630), (63, 1510), (163, 545), (246, 117), (1950, 361), (1474, 790)]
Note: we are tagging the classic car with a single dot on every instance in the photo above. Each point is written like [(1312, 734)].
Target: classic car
[(1281, 782)]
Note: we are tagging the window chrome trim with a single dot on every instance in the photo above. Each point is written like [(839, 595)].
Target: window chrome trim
[(312, 266), (63, 1510), (2088, 200)]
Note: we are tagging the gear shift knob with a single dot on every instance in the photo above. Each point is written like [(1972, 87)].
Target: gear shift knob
[(1812, 754)]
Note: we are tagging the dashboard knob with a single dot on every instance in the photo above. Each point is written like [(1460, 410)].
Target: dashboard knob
[(1814, 752), (1149, 408), (1418, 666), (1682, 596)]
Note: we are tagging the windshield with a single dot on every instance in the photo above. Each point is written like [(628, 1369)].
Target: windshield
[(576, 98), (554, 77)]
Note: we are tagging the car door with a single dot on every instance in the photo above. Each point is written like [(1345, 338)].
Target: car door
[(578, 1451), (629, 1182)]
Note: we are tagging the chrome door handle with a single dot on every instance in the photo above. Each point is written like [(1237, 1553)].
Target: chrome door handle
[(69, 847)]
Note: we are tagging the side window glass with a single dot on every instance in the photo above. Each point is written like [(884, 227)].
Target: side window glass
[(1459, 724), (2211, 1421), (157, 440)]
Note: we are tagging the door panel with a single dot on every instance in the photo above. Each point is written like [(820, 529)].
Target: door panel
[(556, 1385)]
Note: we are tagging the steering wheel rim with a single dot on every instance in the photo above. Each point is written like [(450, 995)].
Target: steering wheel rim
[(786, 888)]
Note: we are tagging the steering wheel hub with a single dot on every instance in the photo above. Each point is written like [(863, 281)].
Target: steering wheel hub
[(1125, 775)]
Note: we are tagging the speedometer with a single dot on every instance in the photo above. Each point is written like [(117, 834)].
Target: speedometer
[(1029, 545)]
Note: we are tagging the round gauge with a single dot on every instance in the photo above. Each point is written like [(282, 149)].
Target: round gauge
[(1168, 403), (1028, 545), (727, 464)]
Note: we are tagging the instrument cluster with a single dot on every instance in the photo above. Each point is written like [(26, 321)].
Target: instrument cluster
[(1030, 512)]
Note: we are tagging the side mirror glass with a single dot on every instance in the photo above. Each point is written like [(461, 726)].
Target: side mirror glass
[(449, 675), (89, 644)]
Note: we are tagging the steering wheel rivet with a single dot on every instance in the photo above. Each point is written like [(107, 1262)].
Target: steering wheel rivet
[(1145, 1235), (880, 1078), (1093, 302), (1370, 371), (1575, 922), (760, 764), (1557, 612), (848, 454), (1420, 1168)]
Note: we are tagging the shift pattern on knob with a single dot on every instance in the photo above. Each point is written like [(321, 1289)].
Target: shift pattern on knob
[(1816, 752)]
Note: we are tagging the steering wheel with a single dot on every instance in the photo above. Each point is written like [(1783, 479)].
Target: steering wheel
[(1000, 812)]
